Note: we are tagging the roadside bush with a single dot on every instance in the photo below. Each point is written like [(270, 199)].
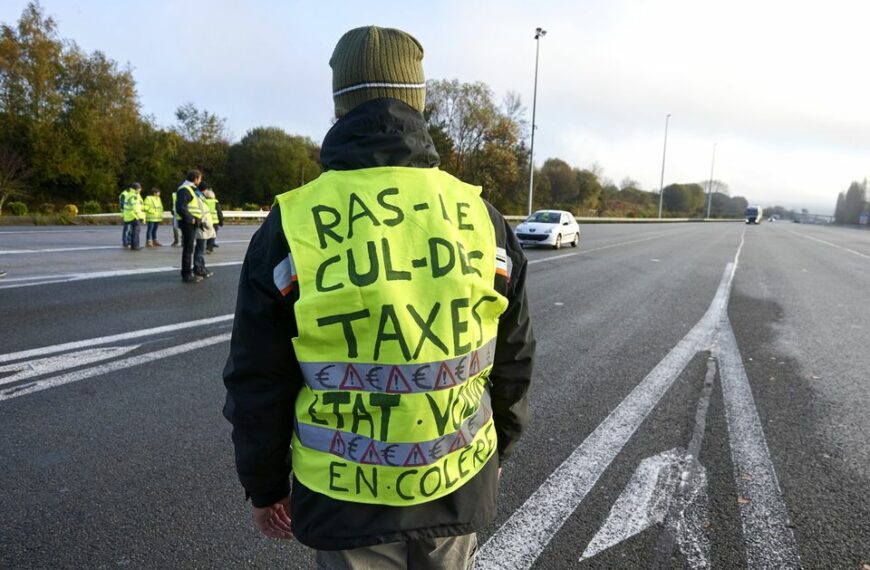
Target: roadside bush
[(17, 208), (46, 208), (71, 210), (64, 218), (251, 207), (91, 207)]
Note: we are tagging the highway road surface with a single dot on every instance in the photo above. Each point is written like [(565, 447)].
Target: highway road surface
[(700, 400)]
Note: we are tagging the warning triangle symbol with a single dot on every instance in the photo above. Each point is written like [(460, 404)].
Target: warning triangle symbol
[(445, 377), (474, 367), (416, 457), (352, 379), (396, 382), (370, 456), (338, 447), (460, 441)]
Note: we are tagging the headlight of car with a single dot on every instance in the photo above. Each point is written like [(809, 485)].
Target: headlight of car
[(548, 231)]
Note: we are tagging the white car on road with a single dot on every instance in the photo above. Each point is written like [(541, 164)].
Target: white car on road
[(551, 228)]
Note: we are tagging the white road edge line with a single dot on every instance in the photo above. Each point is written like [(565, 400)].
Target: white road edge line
[(852, 251), (767, 536), (17, 282), (40, 385), (526, 533), (57, 249), (46, 350)]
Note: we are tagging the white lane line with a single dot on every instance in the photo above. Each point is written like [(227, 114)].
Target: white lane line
[(89, 230), (40, 385), (768, 539), (59, 249), (12, 356), (54, 364), (581, 252), (852, 251), (522, 538), (17, 282)]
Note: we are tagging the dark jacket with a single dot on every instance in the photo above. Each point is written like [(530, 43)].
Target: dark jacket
[(182, 201), (262, 375)]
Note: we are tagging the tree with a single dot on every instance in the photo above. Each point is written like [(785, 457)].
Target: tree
[(564, 190), (840, 210), (199, 125), (853, 204), (13, 176), (267, 162), (67, 112), (683, 199)]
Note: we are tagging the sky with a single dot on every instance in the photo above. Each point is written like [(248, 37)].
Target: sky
[(781, 88)]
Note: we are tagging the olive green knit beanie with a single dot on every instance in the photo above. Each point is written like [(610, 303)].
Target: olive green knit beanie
[(371, 63)]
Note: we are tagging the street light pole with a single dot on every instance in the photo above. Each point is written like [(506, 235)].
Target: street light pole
[(710, 188), (539, 33), (664, 154)]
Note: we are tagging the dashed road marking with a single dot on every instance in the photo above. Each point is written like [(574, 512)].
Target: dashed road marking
[(846, 249)]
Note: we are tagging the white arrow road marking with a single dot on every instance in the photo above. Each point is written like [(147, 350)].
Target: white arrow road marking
[(77, 375), (45, 350), (52, 364), (671, 482)]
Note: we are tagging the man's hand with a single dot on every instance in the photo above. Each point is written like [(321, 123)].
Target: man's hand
[(274, 520)]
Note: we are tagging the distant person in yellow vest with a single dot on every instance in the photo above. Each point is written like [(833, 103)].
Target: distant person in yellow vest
[(122, 200), (134, 214), (382, 349), (153, 217), (217, 217)]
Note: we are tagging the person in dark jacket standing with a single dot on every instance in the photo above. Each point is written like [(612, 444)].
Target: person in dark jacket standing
[(189, 210), (382, 348)]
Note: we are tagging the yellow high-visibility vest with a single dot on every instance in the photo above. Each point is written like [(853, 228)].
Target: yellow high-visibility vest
[(153, 209), (397, 318), (193, 206), (212, 208), (133, 207)]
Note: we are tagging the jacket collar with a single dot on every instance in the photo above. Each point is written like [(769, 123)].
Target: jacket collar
[(380, 132)]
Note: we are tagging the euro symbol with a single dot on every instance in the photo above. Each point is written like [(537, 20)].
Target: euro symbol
[(418, 376), (322, 375), (388, 453), (351, 447), (436, 452), (460, 367), (373, 378)]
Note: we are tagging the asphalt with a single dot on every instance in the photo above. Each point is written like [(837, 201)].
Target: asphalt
[(133, 467)]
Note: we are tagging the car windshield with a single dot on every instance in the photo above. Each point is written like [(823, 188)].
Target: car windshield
[(545, 217)]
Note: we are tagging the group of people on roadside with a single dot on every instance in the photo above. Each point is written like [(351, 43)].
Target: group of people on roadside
[(197, 214)]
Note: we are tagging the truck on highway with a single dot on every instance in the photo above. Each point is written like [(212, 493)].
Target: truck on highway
[(753, 215)]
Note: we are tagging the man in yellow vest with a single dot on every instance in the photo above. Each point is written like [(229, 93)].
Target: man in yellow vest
[(382, 349), (134, 214), (189, 212)]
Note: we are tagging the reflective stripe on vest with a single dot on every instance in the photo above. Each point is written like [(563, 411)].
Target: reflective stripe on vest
[(397, 318)]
